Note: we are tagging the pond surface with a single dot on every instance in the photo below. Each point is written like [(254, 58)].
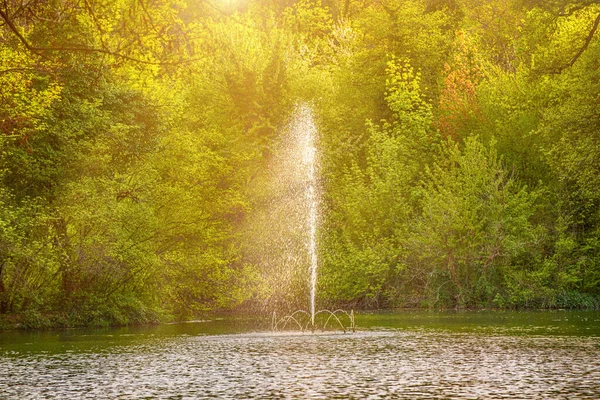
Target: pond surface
[(405, 355)]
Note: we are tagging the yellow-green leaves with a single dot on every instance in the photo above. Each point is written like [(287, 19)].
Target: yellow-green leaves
[(26, 95)]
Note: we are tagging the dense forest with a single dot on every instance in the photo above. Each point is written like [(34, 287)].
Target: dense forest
[(459, 148)]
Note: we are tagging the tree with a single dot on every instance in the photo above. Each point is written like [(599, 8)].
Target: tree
[(372, 206), (474, 225)]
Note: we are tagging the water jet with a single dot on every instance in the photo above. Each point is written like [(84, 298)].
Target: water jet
[(303, 134)]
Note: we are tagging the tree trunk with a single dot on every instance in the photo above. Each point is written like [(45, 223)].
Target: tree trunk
[(67, 271), (4, 302)]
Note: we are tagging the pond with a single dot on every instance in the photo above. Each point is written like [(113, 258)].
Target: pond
[(394, 355)]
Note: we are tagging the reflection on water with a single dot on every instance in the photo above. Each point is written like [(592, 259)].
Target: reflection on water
[(390, 361)]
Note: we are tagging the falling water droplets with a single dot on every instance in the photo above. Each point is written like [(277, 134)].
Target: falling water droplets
[(304, 132), (281, 235)]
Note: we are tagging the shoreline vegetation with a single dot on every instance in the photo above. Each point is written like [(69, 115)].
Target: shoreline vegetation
[(141, 147), (106, 318)]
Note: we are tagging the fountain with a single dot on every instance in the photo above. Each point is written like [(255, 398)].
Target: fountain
[(303, 133)]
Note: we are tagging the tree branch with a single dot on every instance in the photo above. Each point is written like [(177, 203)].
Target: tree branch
[(22, 70), (559, 69), (587, 41), (41, 50)]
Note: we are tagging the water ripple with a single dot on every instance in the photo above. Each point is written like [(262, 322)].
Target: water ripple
[(372, 364)]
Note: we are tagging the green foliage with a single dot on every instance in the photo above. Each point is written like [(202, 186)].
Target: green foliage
[(27, 256), (459, 154), (372, 205), (570, 300), (474, 225)]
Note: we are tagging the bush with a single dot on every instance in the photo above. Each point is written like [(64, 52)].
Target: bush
[(573, 300), (33, 319)]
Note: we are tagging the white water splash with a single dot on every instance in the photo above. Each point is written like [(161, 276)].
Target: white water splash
[(304, 130), (281, 236), (298, 183)]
